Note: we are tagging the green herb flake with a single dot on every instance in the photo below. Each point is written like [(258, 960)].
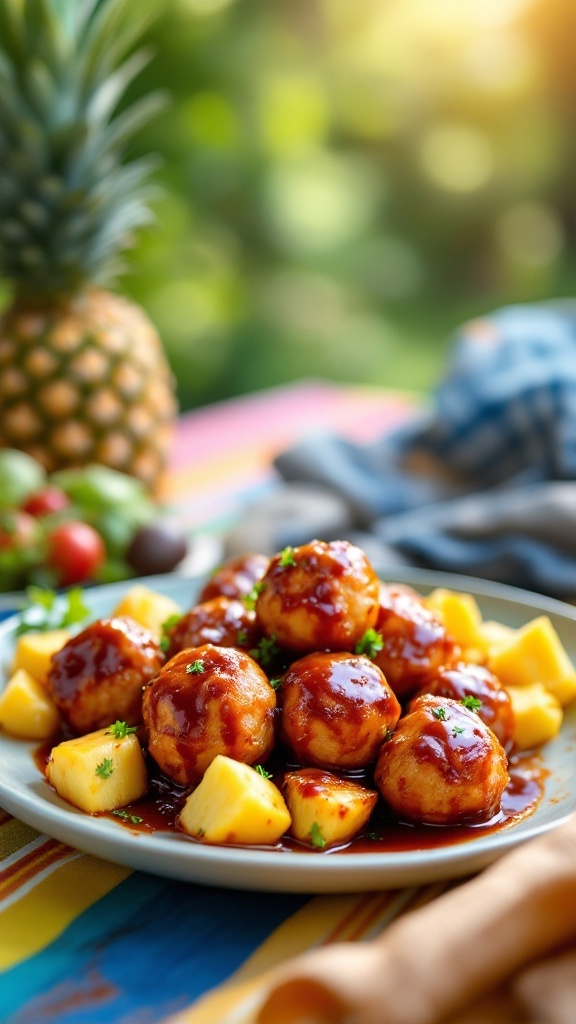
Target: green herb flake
[(165, 628), (316, 838), (134, 819), (195, 667), (439, 713), (457, 730), (242, 637), (276, 683), (262, 771), (119, 730), (266, 650), (472, 703), (370, 644), (105, 768), (287, 557), (249, 600), (201, 833)]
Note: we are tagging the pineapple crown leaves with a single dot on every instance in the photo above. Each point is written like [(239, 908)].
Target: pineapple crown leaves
[(69, 200)]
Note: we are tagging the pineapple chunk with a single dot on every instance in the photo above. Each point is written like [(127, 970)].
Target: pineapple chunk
[(98, 772), (537, 715), (234, 804), (534, 654), (325, 808), (26, 709), (34, 652), (147, 607), (460, 615), (495, 634)]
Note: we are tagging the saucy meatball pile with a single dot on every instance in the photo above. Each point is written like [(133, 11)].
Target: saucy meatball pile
[(304, 663)]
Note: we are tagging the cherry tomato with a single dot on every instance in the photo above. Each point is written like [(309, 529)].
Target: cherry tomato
[(43, 503), (75, 551)]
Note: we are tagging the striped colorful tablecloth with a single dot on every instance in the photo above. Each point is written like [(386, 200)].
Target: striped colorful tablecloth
[(82, 940)]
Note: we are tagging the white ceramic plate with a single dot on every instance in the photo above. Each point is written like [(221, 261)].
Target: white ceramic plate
[(25, 794)]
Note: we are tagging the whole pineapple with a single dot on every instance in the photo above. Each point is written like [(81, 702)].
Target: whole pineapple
[(83, 377)]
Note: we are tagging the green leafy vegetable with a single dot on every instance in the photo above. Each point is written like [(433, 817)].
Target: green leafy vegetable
[(44, 610), (316, 838), (249, 600), (262, 771), (119, 730), (276, 683), (472, 703), (195, 667), (169, 624), (266, 650), (287, 557), (439, 713), (134, 819)]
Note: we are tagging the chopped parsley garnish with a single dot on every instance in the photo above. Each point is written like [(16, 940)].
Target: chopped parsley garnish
[(266, 650), (287, 557), (373, 836), (134, 819), (276, 683), (241, 637), (370, 644), (195, 667), (119, 730), (316, 838), (105, 768), (249, 600), (165, 630), (472, 703), (201, 833), (439, 713), (457, 730), (44, 610), (262, 771)]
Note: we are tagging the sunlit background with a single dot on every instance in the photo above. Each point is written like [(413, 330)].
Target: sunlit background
[(344, 181)]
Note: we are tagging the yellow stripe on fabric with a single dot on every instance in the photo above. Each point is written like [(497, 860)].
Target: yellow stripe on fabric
[(42, 914), (14, 835)]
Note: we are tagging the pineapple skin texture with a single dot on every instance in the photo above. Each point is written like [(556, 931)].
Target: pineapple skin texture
[(84, 381), (71, 770), (26, 709), (233, 804)]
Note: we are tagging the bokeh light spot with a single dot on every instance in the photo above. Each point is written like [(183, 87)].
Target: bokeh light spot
[(457, 157), (530, 233)]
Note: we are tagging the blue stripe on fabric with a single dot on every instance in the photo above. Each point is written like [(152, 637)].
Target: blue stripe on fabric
[(142, 952)]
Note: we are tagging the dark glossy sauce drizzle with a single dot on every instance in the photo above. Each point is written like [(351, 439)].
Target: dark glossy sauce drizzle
[(159, 810)]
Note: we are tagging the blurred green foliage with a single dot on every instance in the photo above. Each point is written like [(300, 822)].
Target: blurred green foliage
[(344, 181)]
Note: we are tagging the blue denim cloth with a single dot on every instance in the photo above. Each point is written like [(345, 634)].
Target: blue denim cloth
[(498, 496)]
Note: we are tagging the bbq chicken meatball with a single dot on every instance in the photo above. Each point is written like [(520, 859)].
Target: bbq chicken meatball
[(97, 677), (442, 766), (221, 621), (236, 577), (415, 643), (337, 710), (478, 689), (208, 700), (318, 597)]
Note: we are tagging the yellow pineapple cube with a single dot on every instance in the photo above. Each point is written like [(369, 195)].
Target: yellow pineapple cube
[(149, 608), (460, 615), (34, 651), (99, 771), (537, 715), (495, 634), (235, 804), (534, 654), (26, 709), (325, 808)]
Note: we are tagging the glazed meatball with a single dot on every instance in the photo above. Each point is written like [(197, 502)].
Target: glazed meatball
[(336, 710), (479, 688), (318, 597), (208, 700), (97, 677), (415, 642), (221, 621), (442, 766), (235, 578)]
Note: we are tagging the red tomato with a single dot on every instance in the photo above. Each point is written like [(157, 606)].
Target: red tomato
[(75, 551), (42, 503)]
